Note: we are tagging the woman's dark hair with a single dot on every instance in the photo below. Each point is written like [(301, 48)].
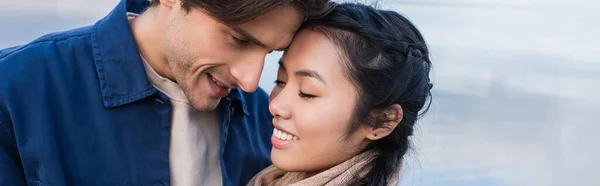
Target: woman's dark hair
[(388, 61), (241, 11)]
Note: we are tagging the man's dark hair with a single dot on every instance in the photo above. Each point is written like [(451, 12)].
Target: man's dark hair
[(241, 11)]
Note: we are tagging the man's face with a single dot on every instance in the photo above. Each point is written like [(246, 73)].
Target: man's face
[(208, 58)]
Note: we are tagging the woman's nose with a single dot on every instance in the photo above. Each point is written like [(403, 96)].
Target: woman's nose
[(279, 106)]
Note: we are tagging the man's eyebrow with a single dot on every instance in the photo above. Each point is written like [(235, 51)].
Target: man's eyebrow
[(246, 35), (311, 73)]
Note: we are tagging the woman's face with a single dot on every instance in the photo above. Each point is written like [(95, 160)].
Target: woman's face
[(313, 104)]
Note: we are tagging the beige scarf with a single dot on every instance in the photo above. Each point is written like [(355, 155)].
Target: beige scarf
[(351, 172)]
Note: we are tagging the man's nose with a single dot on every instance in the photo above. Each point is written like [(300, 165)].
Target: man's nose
[(247, 72)]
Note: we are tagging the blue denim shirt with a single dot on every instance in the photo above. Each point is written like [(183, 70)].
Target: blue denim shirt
[(76, 108)]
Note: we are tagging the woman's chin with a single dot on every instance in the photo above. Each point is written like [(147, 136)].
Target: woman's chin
[(285, 163), (279, 161), (292, 164)]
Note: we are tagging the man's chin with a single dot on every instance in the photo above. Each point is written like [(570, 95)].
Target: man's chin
[(205, 106)]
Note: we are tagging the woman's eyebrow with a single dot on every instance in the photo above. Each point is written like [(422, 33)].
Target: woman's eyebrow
[(312, 74)]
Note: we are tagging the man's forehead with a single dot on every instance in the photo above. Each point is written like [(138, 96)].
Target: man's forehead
[(276, 28)]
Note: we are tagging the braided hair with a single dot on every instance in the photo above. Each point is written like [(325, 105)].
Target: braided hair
[(388, 62)]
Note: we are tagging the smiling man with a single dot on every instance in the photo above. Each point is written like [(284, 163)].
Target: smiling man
[(164, 96)]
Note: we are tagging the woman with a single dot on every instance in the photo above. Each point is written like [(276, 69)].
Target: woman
[(348, 93)]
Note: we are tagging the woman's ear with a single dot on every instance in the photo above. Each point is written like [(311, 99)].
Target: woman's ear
[(387, 119)]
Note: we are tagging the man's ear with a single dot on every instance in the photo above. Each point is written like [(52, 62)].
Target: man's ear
[(387, 119), (168, 3)]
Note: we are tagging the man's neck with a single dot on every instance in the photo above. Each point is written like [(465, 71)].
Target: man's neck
[(148, 31)]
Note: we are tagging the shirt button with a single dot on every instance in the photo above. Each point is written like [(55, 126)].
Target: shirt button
[(159, 101)]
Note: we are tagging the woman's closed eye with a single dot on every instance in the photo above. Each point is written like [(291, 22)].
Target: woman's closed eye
[(306, 96), (303, 95), (279, 82)]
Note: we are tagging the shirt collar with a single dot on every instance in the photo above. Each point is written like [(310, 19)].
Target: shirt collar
[(119, 66), (238, 100)]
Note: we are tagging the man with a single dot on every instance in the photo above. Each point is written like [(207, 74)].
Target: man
[(156, 99)]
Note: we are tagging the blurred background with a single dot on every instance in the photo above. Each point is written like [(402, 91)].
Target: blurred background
[(516, 85)]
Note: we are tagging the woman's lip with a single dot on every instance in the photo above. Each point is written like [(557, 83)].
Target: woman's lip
[(281, 144)]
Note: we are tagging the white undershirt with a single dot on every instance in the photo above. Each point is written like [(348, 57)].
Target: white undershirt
[(194, 152)]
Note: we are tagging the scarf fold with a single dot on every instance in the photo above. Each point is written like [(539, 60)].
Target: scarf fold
[(354, 171)]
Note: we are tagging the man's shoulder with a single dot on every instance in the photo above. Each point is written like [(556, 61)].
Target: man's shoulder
[(48, 42), (55, 53)]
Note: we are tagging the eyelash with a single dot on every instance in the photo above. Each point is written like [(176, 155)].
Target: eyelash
[(306, 96), (279, 82), (241, 42), (301, 94)]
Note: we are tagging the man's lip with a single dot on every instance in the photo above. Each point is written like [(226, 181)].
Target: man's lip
[(225, 85)]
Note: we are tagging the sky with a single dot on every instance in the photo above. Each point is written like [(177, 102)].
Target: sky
[(516, 85)]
